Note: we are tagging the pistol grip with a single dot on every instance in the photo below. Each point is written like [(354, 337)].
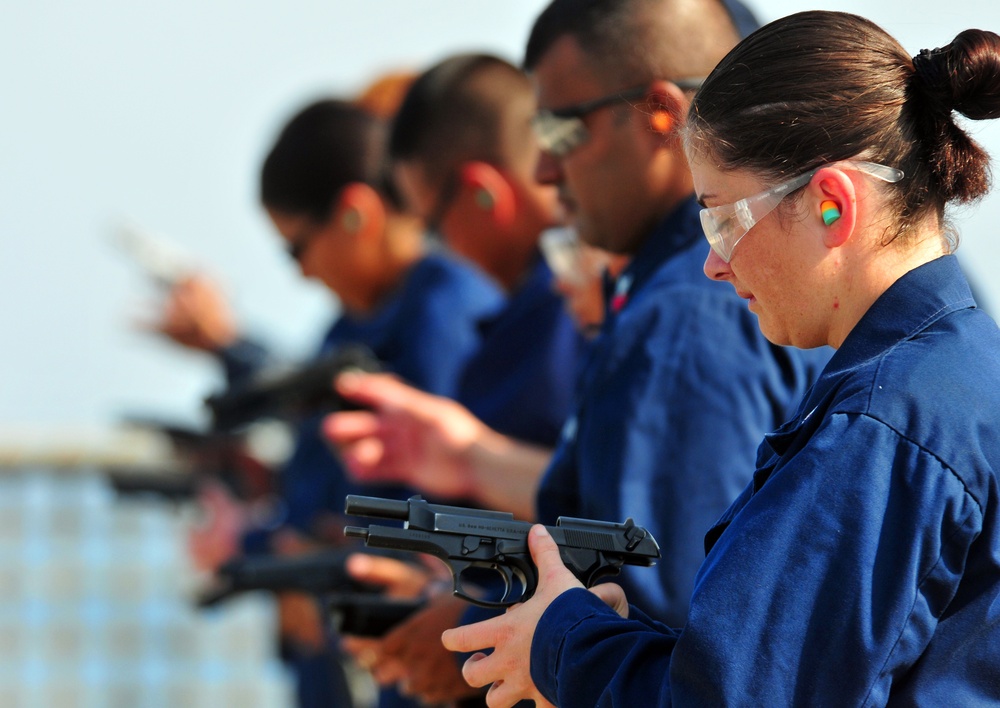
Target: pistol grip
[(589, 566)]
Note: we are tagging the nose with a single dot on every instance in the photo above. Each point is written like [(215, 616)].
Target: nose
[(548, 169), (716, 268)]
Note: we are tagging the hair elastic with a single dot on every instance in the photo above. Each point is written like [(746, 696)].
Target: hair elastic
[(829, 211)]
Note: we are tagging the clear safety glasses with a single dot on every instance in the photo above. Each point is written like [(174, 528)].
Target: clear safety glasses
[(561, 131), (726, 224)]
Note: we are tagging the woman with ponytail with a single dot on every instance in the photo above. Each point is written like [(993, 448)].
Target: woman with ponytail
[(862, 564)]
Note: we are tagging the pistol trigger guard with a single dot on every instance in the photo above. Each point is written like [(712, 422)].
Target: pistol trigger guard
[(469, 598), (459, 591), (458, 568)]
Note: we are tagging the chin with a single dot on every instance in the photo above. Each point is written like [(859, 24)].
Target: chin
[(780, 341), (773, 334), (584, 230)]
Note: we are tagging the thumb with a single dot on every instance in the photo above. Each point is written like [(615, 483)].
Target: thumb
[(613, 596), (545, 554)]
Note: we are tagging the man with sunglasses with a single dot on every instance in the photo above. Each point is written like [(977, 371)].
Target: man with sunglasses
[(681, 385)]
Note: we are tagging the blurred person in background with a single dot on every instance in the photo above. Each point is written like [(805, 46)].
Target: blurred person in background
[(196, 314), (463, 154), (325, 188)]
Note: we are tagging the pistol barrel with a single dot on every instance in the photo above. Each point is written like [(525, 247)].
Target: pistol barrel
[(356, 505)]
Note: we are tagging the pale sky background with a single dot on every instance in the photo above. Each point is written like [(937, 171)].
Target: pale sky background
[(159, 113)]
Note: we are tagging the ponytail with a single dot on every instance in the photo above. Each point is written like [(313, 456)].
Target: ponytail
[(964, 77)]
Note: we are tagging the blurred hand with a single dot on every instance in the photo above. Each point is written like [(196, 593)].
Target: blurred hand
[(300, 617), (508, 669), (300, 621), (408, 436), (412, 658), (196, 315), (401, 580), (216, 538)]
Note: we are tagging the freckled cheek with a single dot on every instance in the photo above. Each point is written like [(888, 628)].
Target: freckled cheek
[(765, 283)]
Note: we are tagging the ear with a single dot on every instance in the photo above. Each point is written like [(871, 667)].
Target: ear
[(666, 105), (833, 204), (360, 210), (490, 191)]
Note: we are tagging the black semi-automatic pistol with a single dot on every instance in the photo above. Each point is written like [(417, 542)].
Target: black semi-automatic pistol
[(368, 615), (467, 539), (290, 395), (319, 573)]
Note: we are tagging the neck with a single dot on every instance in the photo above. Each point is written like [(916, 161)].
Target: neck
[(883, 267), (389, 261), (512, 266)]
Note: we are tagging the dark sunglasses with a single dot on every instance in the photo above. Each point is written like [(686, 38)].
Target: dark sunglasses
[(561, 131)]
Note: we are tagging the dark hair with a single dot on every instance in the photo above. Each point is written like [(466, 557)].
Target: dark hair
[(632, 42), (323, 148), (816, 87), (466, 107)]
